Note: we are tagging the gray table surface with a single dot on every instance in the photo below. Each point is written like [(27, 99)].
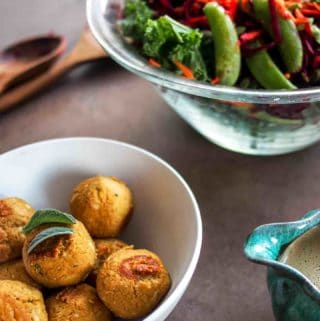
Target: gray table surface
[(235, 192)]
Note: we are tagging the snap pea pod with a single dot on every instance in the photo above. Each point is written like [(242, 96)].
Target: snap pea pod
[(226, 48), (290, 48), (266, 72)]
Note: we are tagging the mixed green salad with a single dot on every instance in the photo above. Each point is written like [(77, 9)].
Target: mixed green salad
[(271, 44)]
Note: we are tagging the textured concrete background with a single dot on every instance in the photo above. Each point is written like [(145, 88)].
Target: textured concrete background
[(236, 193)]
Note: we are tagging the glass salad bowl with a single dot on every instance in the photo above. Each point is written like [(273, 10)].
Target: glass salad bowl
[(256, 122)]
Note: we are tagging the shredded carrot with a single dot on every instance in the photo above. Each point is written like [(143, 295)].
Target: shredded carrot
[(316, 5), (287, 75), (154, 63), (292, 3), (215, 80), (283, 11), (187, 72), (299, 14), (244, 105), (302, 19)]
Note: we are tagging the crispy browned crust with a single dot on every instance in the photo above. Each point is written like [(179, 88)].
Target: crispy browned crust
[(21, 302), (77, 303)]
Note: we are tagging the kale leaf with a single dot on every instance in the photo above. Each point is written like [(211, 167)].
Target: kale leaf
[(168, 41), (136, 14)]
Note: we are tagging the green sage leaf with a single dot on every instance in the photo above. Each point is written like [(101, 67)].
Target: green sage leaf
[(48, 215), (46, 234)]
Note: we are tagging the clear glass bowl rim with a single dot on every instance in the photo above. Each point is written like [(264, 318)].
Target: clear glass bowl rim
[(126, 56)]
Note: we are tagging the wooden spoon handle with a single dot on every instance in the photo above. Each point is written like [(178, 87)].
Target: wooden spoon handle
[(3, 82), (33, 86)]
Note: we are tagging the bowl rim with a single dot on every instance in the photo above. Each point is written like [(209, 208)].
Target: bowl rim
[(138, 65), (172, 299)]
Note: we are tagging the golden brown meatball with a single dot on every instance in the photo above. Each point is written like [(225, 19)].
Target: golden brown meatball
[(104, 248), (21, 302), (132, 282), (77, 303), (60, 260), (103, 204), (15, 270), (14, 214)]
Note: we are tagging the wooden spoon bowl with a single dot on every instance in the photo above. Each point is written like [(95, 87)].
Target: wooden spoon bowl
[(29, 58)]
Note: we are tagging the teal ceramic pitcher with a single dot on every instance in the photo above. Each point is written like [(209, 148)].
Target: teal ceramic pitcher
[(294, 297)]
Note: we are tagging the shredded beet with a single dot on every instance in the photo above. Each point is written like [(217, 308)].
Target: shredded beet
[(316, 63), (311, 13), (187, 7), (246, 40), (200, 22), (249, 51), (167, 5), (291, 111), (274, 21), (190, 12)]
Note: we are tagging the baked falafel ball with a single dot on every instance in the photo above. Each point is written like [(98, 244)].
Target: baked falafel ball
[(15, 270), (104, 205), (19, 301), (60, 260), (14, 214), (77, 303), (132, 282), (104, 248)]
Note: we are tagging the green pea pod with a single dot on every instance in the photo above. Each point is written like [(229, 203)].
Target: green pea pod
[(290, 48), (266, 72), (226, 48)]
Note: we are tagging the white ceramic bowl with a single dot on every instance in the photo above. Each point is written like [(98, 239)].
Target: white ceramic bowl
[(166, 217)]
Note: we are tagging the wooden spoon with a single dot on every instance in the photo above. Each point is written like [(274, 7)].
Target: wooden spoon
[(29, 58), (86, 50)]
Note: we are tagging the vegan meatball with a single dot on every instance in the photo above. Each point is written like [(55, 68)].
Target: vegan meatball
[(19, 301), (77, 303), (103, 204), (60, 260), (132, 282), (15, 270), (104, 248), (14, 214)]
